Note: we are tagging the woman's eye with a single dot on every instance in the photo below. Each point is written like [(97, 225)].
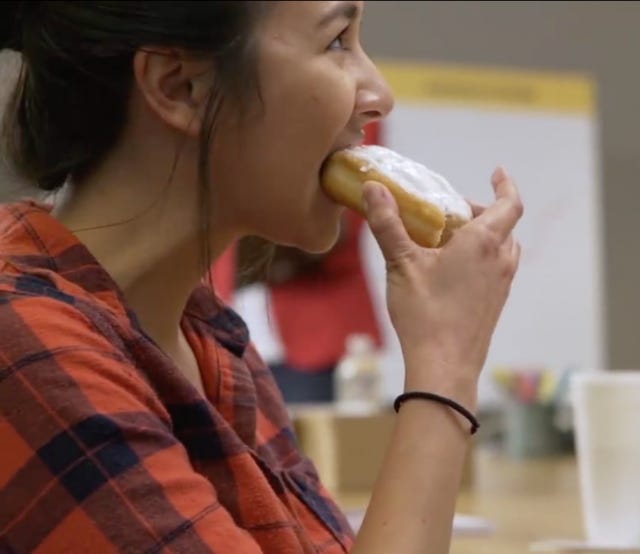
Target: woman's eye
[(339, 42)]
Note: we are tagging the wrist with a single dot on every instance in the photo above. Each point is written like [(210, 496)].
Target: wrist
[(453, 380)]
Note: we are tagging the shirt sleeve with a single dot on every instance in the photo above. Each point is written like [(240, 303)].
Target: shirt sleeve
[(89, 462)]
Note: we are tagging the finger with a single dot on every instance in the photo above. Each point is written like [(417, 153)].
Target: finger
[(507, 245), (512, 255), (516, 252), (507, 210), (476, 209), (381, 211)]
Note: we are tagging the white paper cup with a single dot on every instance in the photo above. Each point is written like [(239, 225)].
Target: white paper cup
[(606, 414)]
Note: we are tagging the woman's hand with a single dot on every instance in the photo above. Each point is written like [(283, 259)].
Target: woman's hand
[(445, 303)]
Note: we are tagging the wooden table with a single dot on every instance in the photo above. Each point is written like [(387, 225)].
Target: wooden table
[(526, 501)]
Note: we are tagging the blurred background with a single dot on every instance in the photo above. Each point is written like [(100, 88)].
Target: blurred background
[(598, 38)]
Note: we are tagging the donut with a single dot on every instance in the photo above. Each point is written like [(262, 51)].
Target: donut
[(429, 207)]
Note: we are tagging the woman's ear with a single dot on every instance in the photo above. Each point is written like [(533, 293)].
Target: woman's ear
[(176, 86)]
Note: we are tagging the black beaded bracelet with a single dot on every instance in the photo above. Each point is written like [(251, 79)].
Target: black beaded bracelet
[(443, 399)]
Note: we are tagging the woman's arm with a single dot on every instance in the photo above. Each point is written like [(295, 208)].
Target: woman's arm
[(444, 305), (413, 502)]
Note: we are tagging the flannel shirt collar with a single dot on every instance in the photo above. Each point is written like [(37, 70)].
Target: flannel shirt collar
[(39, 245)]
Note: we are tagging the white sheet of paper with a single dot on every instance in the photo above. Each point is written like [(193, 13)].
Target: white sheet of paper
[(463, 524), (577, 547)]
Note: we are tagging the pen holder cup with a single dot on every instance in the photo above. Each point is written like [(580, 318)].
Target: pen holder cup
[(530, 431)]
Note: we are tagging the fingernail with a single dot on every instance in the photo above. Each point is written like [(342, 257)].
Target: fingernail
[(383, 192), (379, 191)]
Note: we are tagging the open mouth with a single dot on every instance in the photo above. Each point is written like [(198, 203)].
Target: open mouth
[(356, 139), (323, 166), (338, 149)]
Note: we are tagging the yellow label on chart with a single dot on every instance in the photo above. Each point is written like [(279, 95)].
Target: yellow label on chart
[(490, 87)]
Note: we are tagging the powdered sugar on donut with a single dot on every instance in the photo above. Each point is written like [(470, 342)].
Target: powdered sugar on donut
[(414, 177)]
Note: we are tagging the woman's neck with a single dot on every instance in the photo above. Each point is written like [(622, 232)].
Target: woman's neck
[(144, 230)]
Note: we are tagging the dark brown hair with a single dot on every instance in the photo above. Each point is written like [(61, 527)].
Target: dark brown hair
[(70, 103)]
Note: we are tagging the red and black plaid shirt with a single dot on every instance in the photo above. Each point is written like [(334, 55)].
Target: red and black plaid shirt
[(106, 447)]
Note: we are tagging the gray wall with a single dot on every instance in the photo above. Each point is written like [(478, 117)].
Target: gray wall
[(600, 38)]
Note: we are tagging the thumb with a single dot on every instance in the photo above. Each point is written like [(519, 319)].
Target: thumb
[(382, 214)]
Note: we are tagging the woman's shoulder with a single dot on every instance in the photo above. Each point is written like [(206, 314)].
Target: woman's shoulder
[(70, 356), (59, 342), (35, 306)]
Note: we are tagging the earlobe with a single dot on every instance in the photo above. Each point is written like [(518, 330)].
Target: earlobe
[(169, 83)]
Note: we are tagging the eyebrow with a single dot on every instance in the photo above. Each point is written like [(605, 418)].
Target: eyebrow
[(344, 10)]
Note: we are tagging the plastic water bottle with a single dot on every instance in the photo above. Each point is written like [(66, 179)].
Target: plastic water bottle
[(358, 377)]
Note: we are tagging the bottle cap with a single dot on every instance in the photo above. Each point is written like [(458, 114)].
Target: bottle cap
[(359, 343)]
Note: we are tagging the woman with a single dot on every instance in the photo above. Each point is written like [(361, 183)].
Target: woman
[(136, 417)]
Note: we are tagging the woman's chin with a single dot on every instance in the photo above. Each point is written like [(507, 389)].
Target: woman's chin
[(321, 233)]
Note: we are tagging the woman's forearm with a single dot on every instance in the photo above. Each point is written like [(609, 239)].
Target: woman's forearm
[(413, 501)]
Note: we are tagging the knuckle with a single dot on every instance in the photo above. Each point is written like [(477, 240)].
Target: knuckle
[(509, 269), (404, 260), (510, 264), (517, 208), (488, 241)]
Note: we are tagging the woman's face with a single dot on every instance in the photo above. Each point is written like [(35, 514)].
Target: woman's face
[(319, 89)]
